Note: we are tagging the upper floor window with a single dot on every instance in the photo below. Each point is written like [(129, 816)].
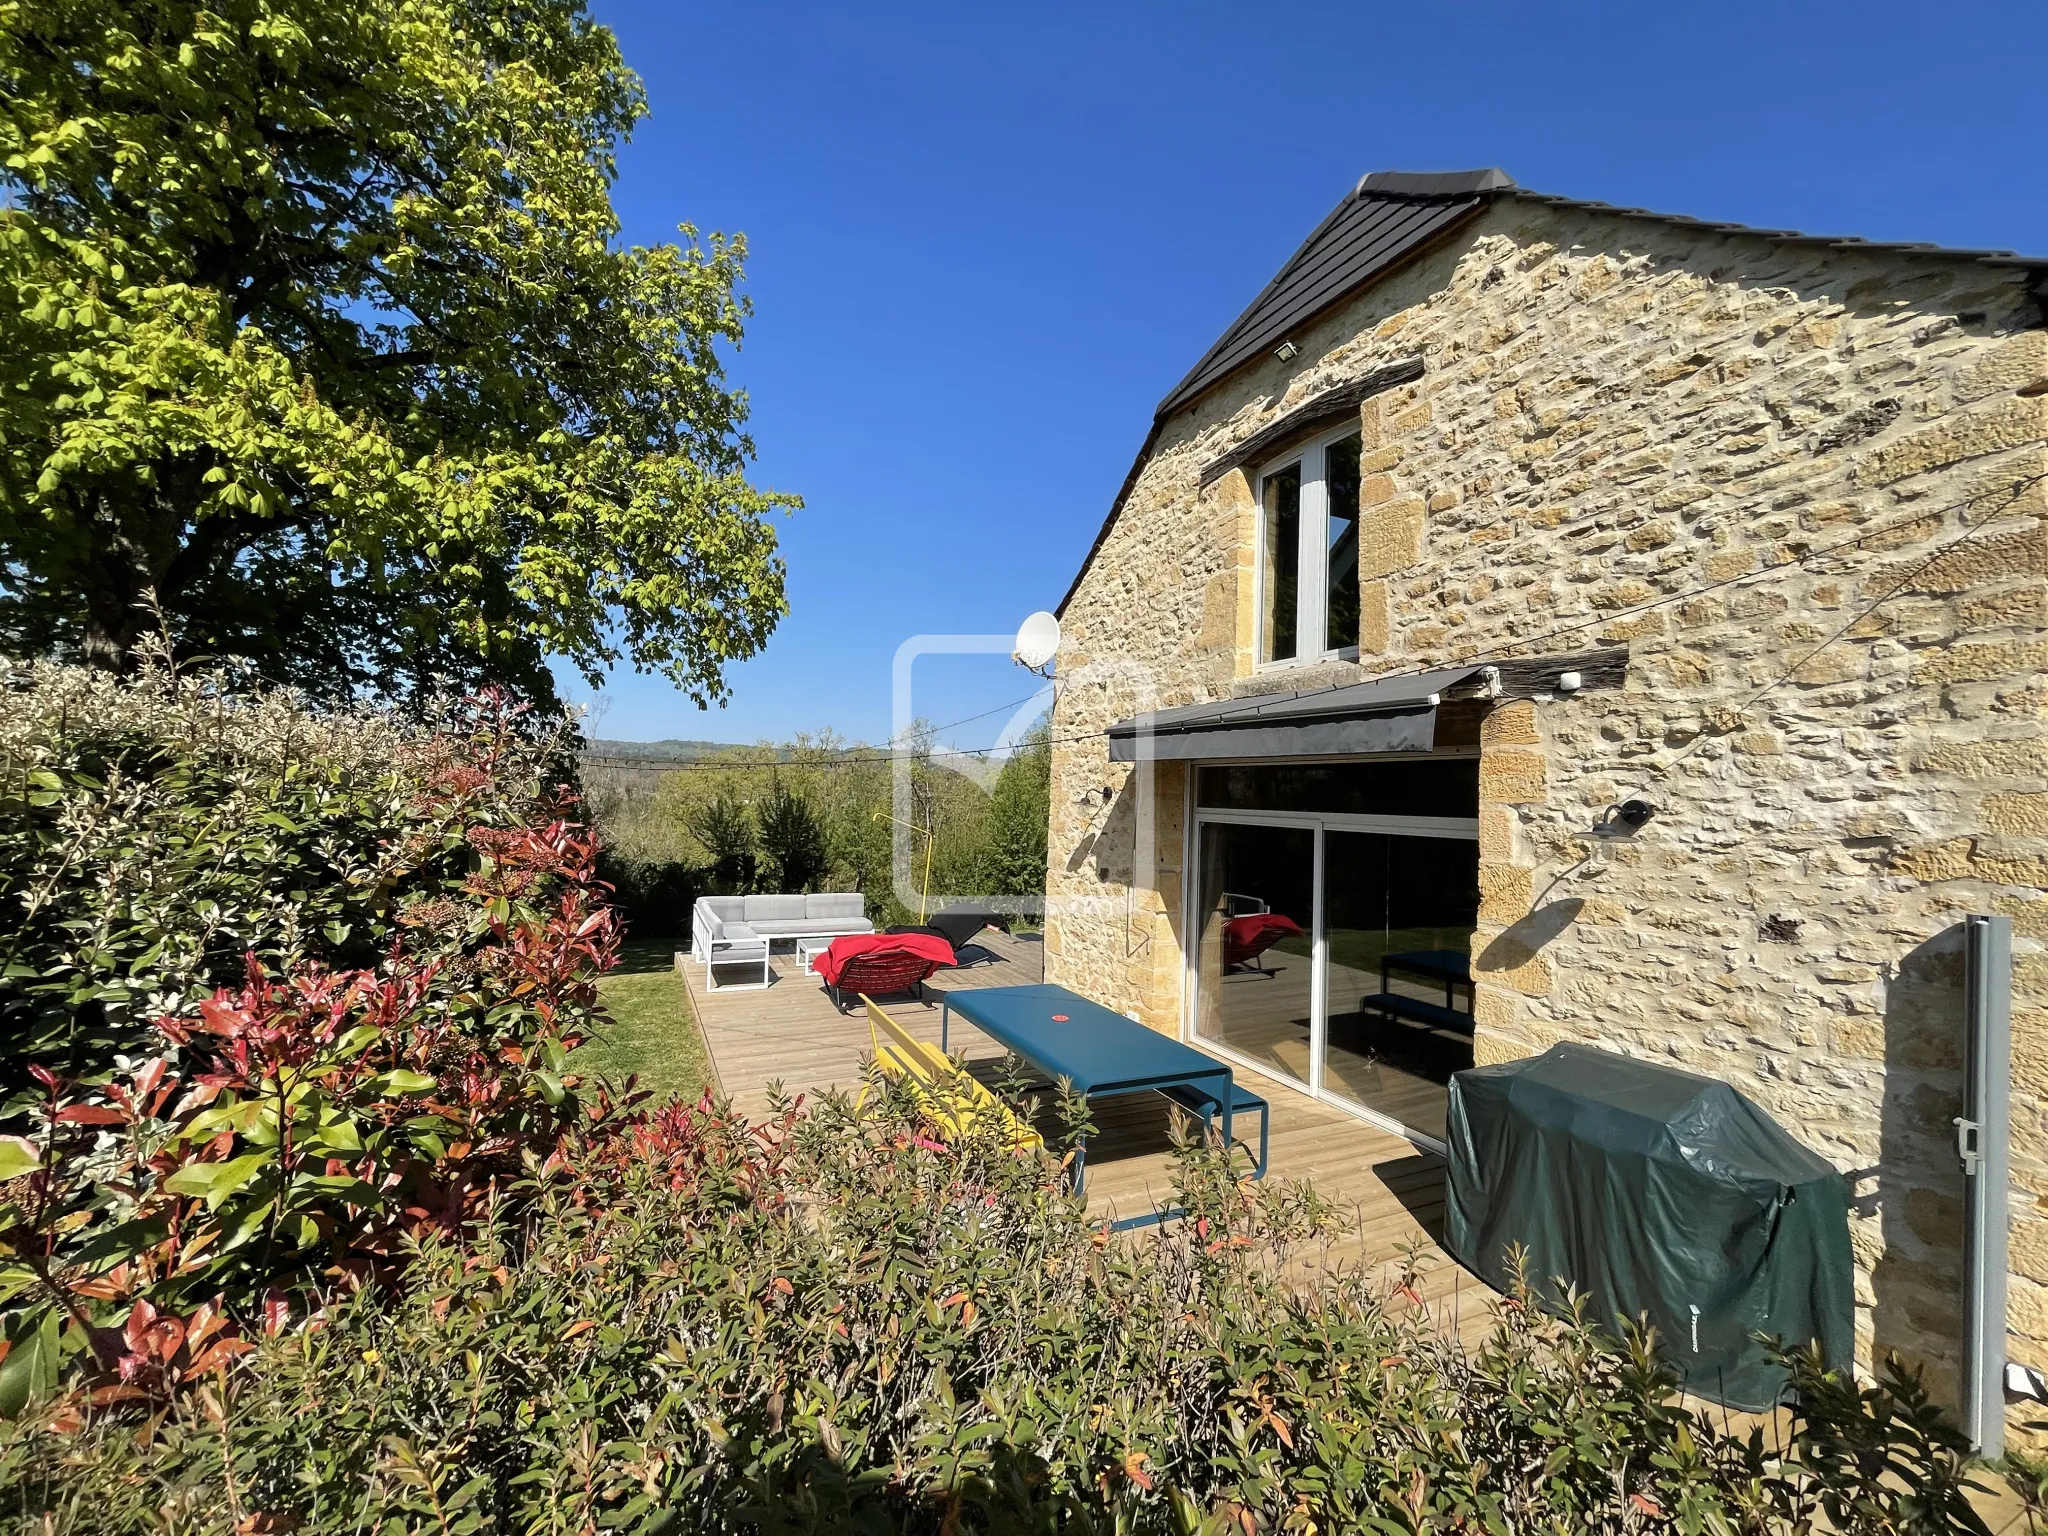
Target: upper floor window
[(1308, 552)]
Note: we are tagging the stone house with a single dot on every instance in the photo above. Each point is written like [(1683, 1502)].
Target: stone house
[(1496, 512)]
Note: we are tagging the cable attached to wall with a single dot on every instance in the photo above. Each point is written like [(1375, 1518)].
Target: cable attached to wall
[(1902, 584)]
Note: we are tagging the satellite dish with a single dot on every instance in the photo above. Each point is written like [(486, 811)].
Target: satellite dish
[(1038, 640)]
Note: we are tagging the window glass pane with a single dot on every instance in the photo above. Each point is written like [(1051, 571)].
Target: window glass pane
[(1399, 913), (1283, 562), (1340, 566), (1258, 909), (1432, 787)]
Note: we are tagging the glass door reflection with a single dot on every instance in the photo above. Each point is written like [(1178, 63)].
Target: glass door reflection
[(1398, 914), (1255, 990)]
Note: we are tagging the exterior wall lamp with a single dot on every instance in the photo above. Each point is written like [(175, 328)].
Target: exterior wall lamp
[(1623, 820)]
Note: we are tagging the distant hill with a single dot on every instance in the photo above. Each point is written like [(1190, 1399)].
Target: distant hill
[(640, 757), (665, 753)]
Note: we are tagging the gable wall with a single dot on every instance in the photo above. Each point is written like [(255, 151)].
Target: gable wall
[(1617, 414)]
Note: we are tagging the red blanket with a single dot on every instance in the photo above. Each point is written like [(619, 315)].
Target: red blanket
[(1246, 938), (874, 947)]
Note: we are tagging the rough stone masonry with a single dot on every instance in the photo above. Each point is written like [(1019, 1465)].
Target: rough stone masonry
[(1800, 485)]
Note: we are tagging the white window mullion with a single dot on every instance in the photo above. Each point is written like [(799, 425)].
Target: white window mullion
[(1318, 977), (1259, 599), (1310, 590)]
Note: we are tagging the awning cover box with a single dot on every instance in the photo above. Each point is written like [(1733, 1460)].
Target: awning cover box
[(1389, 714), (1654, 1191)]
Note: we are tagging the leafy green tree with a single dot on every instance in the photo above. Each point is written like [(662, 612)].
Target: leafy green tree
[(1019, 808), (725, 827), (316, 332), (792, 839)]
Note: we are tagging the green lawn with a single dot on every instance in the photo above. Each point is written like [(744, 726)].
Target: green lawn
[(651, 1032)]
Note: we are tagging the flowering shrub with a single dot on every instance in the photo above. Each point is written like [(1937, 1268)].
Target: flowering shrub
[(194, 1162), (831, 1322)]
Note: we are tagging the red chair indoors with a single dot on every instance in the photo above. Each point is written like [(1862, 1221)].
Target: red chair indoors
[(1248, 937), (878, 964)]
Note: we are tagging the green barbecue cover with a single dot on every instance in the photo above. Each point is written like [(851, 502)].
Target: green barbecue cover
[(1654, 1191)]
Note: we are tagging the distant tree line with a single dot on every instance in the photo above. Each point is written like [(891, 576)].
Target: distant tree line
[(820, 815)]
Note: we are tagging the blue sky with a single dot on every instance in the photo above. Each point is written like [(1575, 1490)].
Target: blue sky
[(987, 239)]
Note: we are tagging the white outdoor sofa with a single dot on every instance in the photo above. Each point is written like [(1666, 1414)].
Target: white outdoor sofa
[(738, 930)]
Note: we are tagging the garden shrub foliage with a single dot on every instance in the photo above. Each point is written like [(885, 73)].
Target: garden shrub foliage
[(222, 1110), (157, 830), (832, 1322), (309, 1230)]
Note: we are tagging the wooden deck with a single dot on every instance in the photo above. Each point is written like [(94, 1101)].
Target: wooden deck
[(1390, 1195)]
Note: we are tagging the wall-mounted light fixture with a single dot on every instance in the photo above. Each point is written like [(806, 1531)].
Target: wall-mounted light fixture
[(1287, 351), (1623, 820)]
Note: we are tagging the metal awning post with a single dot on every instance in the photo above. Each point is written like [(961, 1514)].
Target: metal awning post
[(1981, 1141)]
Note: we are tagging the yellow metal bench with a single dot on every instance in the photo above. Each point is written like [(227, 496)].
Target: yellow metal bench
[(954, 1101)]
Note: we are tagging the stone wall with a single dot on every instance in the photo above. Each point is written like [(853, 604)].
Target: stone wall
[(1798, 485)]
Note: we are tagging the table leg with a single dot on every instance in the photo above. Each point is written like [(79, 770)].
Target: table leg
[(945, 1016), (1081, 1169), (1229, 1093)]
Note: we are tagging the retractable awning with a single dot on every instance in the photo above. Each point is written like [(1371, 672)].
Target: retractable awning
[(1389, 714)]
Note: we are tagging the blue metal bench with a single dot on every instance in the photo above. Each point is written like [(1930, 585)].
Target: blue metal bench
[(1197, 1099)]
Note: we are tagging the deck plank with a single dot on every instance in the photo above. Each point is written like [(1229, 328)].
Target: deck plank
[(1389, 1194)]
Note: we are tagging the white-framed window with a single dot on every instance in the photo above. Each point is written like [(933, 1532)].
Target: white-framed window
[(1308, 551)]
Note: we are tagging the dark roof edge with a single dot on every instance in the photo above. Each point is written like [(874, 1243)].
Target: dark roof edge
[(1434, 183), (1169, 402), (1109, 522), (1493, 182), (1167, 407), (1928, 248), (1504, 678), (1400, 690)]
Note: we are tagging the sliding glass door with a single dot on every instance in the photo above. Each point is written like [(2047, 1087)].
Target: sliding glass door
[(1397, 936), (1256, 958), (1333, 949)]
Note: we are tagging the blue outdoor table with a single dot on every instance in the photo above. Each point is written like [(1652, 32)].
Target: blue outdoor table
[(1102, 1054)]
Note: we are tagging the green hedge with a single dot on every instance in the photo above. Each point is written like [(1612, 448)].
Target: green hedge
[(833, 1323), (285, 991)]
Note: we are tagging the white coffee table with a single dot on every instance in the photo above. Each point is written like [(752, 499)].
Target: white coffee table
[(807, 952)]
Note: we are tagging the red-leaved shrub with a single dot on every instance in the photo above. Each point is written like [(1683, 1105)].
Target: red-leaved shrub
[(302, 1130)]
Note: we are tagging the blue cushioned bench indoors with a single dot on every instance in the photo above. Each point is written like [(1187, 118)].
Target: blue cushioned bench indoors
[(1452, 967)]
